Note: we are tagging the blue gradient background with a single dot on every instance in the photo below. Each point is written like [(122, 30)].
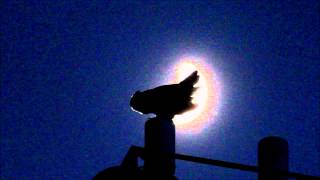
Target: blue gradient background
[(68, 69)]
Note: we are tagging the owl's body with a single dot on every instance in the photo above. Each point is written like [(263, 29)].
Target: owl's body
[(167, 100)]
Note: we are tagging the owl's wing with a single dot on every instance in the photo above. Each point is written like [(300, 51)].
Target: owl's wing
[(186, 86), (191, 80)]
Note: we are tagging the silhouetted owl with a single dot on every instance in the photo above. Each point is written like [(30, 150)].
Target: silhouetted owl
[(167, 100)]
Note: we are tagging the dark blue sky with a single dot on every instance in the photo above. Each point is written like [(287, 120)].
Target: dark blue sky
[(68, 70)]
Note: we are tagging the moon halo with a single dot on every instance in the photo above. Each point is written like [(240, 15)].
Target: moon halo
[(206, 97)]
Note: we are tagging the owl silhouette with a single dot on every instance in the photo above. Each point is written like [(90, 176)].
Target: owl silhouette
[(166, 100)]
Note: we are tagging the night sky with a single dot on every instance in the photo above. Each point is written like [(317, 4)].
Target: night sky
[(68, 70)]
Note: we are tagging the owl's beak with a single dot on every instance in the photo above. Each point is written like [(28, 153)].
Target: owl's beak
[(133, 100)]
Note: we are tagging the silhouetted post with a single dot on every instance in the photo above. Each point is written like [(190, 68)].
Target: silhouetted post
[(272, 157), (159, 137)]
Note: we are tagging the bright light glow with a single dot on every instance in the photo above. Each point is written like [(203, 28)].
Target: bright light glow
[(206, 97)]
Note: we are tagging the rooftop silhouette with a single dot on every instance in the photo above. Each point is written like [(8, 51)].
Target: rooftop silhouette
[(159, 152)]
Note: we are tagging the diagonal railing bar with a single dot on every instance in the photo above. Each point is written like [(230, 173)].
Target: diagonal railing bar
[(136, 151)]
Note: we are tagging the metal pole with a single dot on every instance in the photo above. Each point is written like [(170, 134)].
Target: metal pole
[(159, 137), (273, 158)]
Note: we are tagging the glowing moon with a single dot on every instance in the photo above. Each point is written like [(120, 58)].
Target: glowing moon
[(206, 97)]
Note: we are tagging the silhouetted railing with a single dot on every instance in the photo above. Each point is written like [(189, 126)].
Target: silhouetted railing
[(131, 160)]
